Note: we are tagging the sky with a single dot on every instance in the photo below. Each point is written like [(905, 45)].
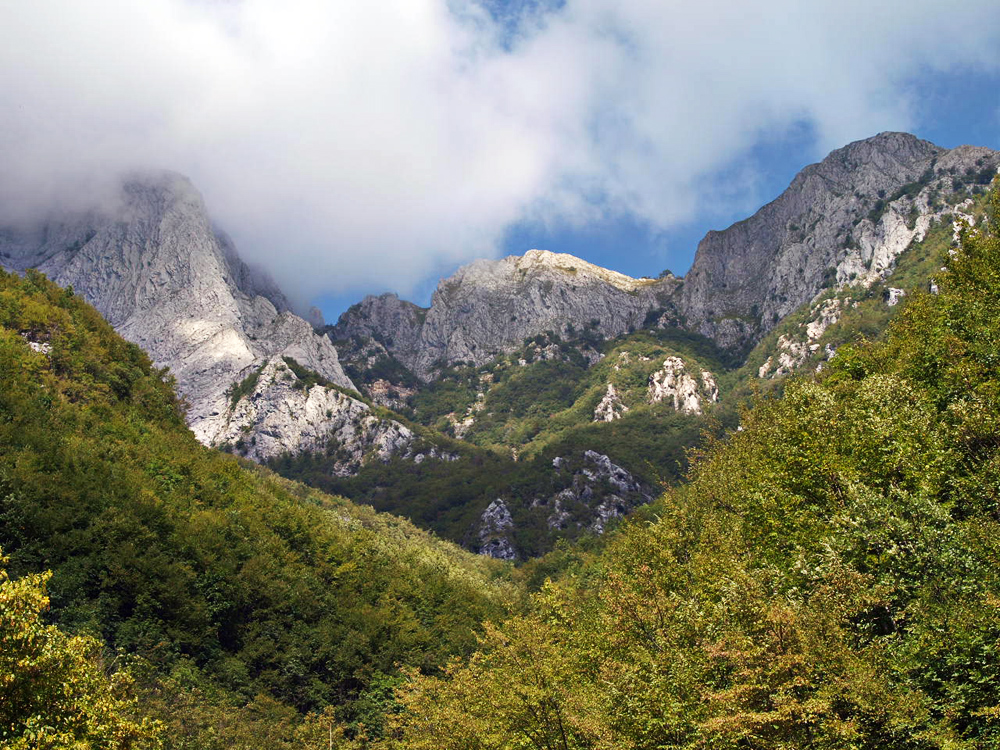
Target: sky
[(353, 148)]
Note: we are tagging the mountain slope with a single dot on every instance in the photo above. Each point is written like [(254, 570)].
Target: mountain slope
[(167, 280), (842, 220), (219, 575), (875, 218), (829, 578)]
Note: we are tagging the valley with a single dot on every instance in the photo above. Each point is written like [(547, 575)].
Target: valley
[(753, 506)]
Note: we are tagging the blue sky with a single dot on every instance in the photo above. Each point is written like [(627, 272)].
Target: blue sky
[(954, 108), (353, 148)]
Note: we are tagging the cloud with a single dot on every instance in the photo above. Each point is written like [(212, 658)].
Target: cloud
[(348, 144)]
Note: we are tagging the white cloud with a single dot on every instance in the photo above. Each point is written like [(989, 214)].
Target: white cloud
[(347, 144)]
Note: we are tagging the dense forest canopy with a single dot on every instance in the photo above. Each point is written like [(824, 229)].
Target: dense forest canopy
[(227, 586), (828, 577)]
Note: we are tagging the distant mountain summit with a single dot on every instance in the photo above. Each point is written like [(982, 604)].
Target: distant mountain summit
[(490, 307), (156, 268), (842, 220)]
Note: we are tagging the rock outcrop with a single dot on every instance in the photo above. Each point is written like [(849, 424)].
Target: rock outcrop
[(167, 280), (598, 492), (490, 307), (844, 220), (279, 412), (794, 348), (686, 391), (495, 526), (610, 406)]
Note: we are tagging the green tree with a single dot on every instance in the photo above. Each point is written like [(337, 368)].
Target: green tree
[(54, 692)]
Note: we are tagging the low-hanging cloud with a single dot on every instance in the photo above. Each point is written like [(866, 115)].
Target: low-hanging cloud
[(351, 144)]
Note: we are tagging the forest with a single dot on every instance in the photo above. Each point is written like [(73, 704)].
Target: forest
[(827, 575)]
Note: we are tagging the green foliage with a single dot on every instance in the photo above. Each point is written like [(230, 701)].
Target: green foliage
[(305, 379), (829, 578), (244, 388), (54, 692), (166, 550)]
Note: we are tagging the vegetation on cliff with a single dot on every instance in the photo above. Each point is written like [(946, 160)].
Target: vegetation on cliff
[(830, 576)]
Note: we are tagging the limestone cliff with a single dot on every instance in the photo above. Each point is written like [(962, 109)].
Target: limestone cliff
[(167, 280), (490, 307), (687, 392), (278, 412), (844, 220)]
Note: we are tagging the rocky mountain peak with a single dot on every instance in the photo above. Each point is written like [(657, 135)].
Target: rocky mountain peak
[(876, 155), (539, 261), (489, 307), (154, 265), (845, 218)]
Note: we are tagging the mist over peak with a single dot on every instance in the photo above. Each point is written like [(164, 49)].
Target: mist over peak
[(347, 146)]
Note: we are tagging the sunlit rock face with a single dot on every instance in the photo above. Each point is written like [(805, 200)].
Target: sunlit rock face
[(610, 407), (161, 274), (278, 412), (842, 221), (687, 391), (490, 307)]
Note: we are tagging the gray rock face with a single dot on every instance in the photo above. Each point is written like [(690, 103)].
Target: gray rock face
[(167, 280), (842, 221), (686, 391), (610, 406), (281, 415), (598, 492), (393, 322), (494, 528), (490, 307), (836, 223)]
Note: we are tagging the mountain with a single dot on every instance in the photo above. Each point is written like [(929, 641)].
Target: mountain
[(559, 394), (488, 308), (841, 221), (239, 601), (828, 577), (834, 254), (154, 265)]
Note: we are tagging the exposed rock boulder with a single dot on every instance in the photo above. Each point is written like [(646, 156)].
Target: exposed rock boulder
[(688, 393), (388, 394), (495, 526), (893, 296), (610, 407), (598, 492)]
